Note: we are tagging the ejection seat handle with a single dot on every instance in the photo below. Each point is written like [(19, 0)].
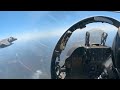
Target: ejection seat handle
[(103, 38)]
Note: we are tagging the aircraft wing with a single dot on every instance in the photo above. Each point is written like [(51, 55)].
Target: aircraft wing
[(4, 42)]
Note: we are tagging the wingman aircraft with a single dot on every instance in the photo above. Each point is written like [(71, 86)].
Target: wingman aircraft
[(91, 61), (7, 42)]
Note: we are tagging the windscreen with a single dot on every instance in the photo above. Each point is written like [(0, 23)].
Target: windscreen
[(95, 36), (78, 37)]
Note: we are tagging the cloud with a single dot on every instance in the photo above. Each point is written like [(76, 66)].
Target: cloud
[(38, 34), (102, 26), (57, 32), (37, 74)]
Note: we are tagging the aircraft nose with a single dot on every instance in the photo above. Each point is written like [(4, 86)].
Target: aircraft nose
[(15, 38)]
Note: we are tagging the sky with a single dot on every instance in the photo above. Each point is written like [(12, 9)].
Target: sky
[(29, 23)]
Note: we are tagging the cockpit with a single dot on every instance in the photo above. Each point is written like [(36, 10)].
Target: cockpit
[(93, 60), (87, 61)]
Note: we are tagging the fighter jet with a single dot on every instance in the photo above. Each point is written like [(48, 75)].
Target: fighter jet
[(7, 42)]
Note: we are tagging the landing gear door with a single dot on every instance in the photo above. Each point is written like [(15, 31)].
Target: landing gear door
[(116, 50)]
